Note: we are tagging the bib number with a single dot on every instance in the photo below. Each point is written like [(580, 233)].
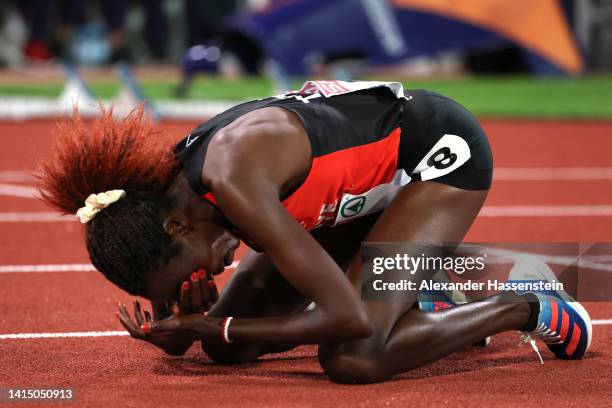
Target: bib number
[(447, 155)]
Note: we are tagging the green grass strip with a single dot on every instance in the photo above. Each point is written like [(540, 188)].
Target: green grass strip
[(586, 98)]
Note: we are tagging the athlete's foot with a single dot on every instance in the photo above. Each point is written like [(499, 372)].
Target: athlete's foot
[(564, 326), (562, 323)]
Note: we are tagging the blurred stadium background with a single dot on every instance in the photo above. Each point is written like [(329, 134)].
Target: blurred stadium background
[(193, 58)]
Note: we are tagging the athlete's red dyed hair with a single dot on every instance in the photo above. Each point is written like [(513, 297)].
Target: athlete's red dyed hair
[(126, 241), (104, 155)]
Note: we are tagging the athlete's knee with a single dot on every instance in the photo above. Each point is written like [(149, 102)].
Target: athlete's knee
[(350, 368)]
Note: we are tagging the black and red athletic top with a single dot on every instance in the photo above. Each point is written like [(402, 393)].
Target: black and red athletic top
[(354, 130)]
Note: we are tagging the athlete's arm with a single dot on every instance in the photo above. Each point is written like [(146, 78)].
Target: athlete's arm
[(246, 167)]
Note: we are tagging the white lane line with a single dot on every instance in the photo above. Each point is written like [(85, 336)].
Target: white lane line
[(21, 336), (35, 216), (47, 268), (598, 258), (15, 176), (60, 268), (546, 211), (13, 190), (601, 322), (552, 173), (576, 260), (502, 174), (16, 336)]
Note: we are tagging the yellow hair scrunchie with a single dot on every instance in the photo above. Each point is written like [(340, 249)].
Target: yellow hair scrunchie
[(96, 203)]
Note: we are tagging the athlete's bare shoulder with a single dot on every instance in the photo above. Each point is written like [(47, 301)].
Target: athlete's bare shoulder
[(268, 120), (268, 142)]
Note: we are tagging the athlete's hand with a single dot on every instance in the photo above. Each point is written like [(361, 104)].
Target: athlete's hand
[(189, 320), (171, 343), (194, 325), (196, 297), (201, 294)]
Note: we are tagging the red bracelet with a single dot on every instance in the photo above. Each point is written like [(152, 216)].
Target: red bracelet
[(225, 330)]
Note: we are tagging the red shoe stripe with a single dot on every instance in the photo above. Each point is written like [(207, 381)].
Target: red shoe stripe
[(564, 324), (554, 312), (441, 306), (571, 347)]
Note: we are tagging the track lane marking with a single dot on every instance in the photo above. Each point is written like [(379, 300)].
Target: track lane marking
[(16, 176), (546, 211), (35, 216), (13, 190), (511, 255), (22, 336), (552, 173), (76, 267), (601, 322), (17, 336), (47, 268)]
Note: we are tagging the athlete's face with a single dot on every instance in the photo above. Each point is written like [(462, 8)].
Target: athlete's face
[(201, 240), (204, 245)]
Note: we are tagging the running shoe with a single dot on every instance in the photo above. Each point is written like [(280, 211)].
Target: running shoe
[(563, 324), (434, 301)]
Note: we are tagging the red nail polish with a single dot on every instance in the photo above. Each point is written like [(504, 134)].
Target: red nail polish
[(145, 327), (202, 273), (185, 286), (212, 284), (194, 276)]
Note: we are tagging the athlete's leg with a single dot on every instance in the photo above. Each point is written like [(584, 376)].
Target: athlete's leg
[(407, 338), (257, 289)]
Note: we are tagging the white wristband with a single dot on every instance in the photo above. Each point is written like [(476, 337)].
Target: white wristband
[(225, 330)]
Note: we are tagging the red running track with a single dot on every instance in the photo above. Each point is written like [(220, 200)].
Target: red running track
[(124, 372)]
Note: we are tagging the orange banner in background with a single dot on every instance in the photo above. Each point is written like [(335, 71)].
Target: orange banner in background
[(539, 25)]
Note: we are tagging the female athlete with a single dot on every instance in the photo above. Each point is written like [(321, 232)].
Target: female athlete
[(303, 179)]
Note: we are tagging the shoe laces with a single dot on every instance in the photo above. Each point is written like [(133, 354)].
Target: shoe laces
[(542, 332)]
